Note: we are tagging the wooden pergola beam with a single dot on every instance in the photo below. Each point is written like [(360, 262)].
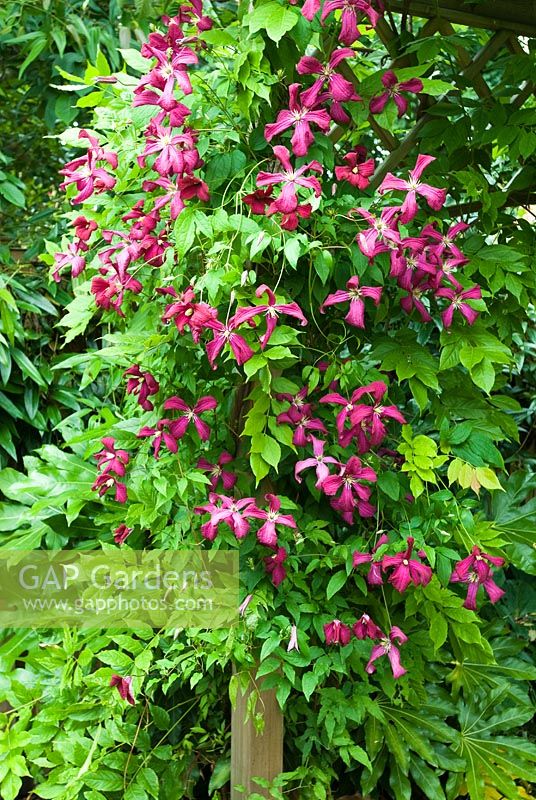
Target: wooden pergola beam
[(518, 16)]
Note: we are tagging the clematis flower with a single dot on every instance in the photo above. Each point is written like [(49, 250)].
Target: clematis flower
[(175, 112), (110, 286), (259, 199), (107, 481), (267, 533), (358, 168), (233, 513), (407, 569), (435, 197), (371, 416), (141, 384), (124, 687), (84, 172), (302, 422), (338, 88), (318, 461), (122, 533), (162, 435), (274, 565), (410, 262), (293, 641), (111, 460), (185, 311), (72, 259), (374, 575), (177, 191), (217, 473), (351, 9), (354, 294), (171, 70), (309, 8), (382, 235), (297, 401), (458, 303), (271, 310), (365, 628), (445, 242), (172, 41), (394, 91), (301, 114), (289, 222), (225, 333), (413, 299), (337, 632), (292, 179), (83, 228), (353, 494), (475, 571), (179, 426), (387, 647), (195, 11), (177, 153)]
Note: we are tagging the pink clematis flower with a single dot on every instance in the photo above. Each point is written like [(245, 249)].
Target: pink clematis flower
[(259, 199), (274, 565), (336, 632), (301, 114), (161, 435), (387, 647), (374, 575), (351, 9), (185, 311), (338, 88), (83, 228), (407, 569), (124, 687), (413, 299), (141, 384), (111, 460), (84, 172), (122, 533), (72, 259), (178, 191), (354, 294), (289, 222), (107, 481), (302, 422), (371, 416), (298, 400), (292, 179), (233, 513), (217, 473), (225, 333), (475, 571), (309, 8), (358, 168), (458, 303), (179, 426), (110, 286), (171, 70), (365, 628), (382, 235), (319, 462), (444, 243), (267, 533), (353, 494), (271, 311), (393, 90), (410, 262), (177, 151), (435, 197)]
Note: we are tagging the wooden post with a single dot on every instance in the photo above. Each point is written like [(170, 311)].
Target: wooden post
[(255, 754)]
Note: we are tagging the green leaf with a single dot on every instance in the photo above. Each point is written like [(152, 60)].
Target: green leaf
[(483, 375), (12, 194), (135, 60), (488, 479), (273, 18), (335, 583), (309, 683), (389, 484)]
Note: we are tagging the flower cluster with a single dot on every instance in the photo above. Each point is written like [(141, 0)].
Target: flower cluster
[(111, 464), (336, 632)]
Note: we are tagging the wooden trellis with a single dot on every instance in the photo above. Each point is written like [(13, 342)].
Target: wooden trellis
[(262, 755)]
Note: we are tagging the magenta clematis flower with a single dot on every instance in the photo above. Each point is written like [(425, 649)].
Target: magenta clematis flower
[(185, 311), (110, 286), (291, 178), (475, 571), (177, 151), (224, 333), (111, 460), (393, 90), (351, 9), (353, 494), (72, 259), (458, 303), (177, 191), (435, 197), (374, 575), (302, 422), (141, 384), (259, 199), (192, 12), (267, 533), (107, 481), (217, 473), (338, 88), (407, 569), (233, 513), (413, 299), (122, 533), (382, 235), (297, 401), (124, 687), (83, 228), (387, 647), (172, 41), (274, 565), (301, 114), (179, 426), (319, 461), (271, 311), (358, 168), (354, 294), (365, 628), (371, 417), (410, 264), (444, 243), (84, 172), (162, 435), (171, 70), (336, 632), (309, 8), (289, 222)]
